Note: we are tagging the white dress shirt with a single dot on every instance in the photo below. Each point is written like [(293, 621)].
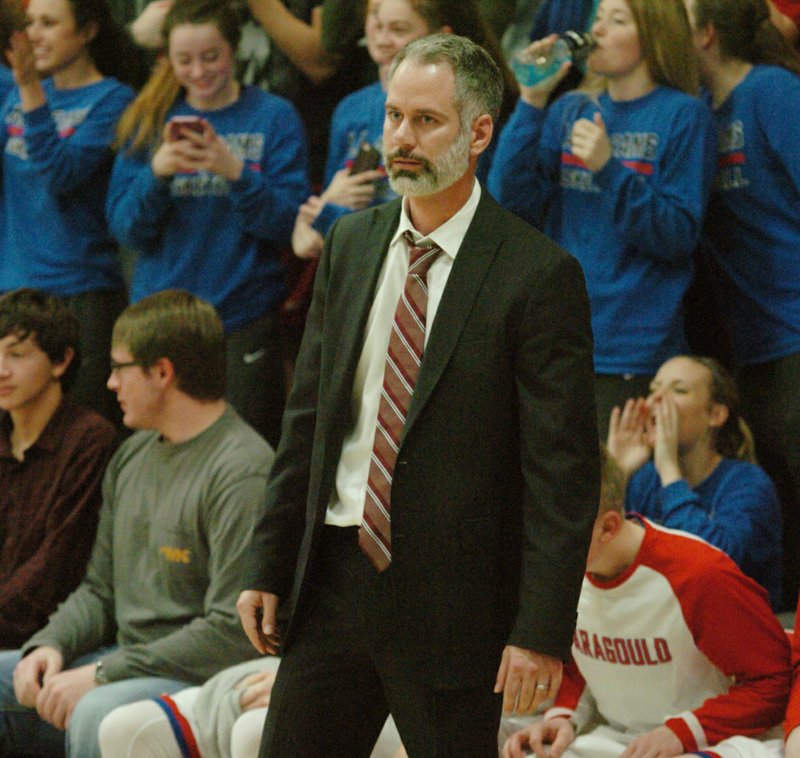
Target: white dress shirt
[(347, 502)]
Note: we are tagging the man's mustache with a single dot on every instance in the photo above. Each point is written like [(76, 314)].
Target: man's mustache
[(408, 155)]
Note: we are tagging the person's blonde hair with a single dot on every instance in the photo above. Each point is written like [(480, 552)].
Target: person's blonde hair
[(141, 125), (734, 438), (665, 38)]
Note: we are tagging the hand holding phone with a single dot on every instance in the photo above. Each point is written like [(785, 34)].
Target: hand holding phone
[(178, 126), (367, 159)]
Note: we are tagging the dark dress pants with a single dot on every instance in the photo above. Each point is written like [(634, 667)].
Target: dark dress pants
[(343, 674)]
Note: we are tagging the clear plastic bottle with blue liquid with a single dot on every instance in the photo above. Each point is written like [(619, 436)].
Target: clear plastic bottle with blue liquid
[(530, 68)]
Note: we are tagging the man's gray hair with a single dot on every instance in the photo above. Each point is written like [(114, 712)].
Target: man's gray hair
[(478, 81)]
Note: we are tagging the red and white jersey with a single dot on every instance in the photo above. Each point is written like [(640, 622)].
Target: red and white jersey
[(682, 637)]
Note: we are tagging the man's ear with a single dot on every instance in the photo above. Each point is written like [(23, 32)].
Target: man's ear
[(610, 525), (164, 371), (481, 134), (60, 368)]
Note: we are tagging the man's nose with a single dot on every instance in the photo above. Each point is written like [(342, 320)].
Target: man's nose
[(404, 134)]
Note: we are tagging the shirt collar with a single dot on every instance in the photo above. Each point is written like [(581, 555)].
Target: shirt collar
[(451, 233), (47, 441)]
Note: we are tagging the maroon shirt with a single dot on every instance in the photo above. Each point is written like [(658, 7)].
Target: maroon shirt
[(49, 504)]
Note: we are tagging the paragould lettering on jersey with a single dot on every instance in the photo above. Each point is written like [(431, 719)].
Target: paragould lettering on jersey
[(623, 651)]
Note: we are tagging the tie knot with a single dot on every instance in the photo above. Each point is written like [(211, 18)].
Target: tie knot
[(420, 257)]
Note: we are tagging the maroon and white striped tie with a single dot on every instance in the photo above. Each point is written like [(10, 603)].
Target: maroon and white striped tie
[(403, 359)]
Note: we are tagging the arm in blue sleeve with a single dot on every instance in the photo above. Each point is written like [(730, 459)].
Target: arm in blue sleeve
[(734, 517), (267, 198), (138, 204), (328, 216), (65, 162), (525, 168), (662, 215), (776, 113)]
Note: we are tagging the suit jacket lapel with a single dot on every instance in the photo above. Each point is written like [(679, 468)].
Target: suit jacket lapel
[(361, 269), (466, 278)]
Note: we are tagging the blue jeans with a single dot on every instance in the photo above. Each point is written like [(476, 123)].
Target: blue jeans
[(23, 733)]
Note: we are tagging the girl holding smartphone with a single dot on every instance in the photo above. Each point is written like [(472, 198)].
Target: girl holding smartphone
[(208, 200)]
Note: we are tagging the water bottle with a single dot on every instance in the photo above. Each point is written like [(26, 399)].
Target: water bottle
[(532, 68)]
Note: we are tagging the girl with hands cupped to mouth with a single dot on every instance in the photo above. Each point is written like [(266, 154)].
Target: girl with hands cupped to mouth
[(689, 461)]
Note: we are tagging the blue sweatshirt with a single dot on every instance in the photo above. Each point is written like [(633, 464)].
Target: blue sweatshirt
[(218, 239), (56, 163), (736, 509), (633, 225), (753, 222)]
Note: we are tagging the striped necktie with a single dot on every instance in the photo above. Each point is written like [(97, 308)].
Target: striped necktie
[(403, 359)]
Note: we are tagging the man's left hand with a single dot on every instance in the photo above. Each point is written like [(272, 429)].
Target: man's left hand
[(526, 679), (58, 698), (662, 742)]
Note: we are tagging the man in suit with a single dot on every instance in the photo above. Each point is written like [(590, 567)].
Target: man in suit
[(460, 597)]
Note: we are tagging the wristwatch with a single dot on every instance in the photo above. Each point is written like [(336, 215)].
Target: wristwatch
[(100, 674)]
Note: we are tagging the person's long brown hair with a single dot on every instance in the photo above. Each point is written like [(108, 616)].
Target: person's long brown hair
[(142, 123), (745, 32), (665, 38)]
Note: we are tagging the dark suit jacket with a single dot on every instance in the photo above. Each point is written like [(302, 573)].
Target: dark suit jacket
[(495, 489)]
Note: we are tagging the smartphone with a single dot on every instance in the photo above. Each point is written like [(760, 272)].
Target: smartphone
[(366, 159), (178, 125)]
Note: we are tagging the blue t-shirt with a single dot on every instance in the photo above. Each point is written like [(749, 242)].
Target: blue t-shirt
[(736, 509), (220, 240), (633, 225), (753, 222), (56, 163)]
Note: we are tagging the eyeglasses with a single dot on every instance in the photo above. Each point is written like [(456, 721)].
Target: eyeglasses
[(116, 366)]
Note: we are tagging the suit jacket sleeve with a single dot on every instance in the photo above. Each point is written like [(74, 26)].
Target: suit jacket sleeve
[(276, 541), (559, 456)]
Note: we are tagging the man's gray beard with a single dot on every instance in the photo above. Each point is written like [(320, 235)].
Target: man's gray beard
[(442, 173)]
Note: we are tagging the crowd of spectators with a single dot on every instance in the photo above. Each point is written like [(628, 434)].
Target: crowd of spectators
[(210, 145)]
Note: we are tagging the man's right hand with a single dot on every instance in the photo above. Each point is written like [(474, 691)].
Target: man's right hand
[(33, 672), (558, 733), (257, 611)]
